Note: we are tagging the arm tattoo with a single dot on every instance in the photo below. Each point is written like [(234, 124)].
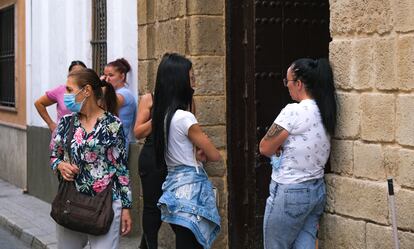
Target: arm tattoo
[(274, 130)]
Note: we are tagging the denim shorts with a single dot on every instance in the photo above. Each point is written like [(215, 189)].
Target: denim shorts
[(292, 214)]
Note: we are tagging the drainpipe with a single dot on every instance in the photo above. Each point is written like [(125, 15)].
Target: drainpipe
[(28, 43)]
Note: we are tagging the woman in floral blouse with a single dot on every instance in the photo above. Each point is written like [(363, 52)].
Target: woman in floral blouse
[(98, 155)]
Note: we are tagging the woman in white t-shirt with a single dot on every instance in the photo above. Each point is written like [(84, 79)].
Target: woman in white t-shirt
[(188, 202), (299, 144)]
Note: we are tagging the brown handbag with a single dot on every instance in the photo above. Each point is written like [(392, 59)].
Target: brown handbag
[(81, 212)]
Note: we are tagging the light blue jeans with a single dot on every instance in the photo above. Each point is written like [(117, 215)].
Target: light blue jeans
[(292, 214)]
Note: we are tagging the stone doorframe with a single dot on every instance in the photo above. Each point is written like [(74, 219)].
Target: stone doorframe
[(195, 29)]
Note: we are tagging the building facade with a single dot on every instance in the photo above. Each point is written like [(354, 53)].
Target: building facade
[(232, 45), (13, 92), (195, 29), (95, 32), (372, 53), (240, 51), (39, 39)]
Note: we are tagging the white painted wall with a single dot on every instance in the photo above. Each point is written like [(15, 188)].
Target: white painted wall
[(122, 30), (59, 31)]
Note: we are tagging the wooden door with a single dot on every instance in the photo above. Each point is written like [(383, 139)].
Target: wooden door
[(265, 38)]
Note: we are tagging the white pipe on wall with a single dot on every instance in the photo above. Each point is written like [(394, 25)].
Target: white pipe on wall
[(28, 24)]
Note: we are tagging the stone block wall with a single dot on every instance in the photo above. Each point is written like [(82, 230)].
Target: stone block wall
[(372, 54), (195, 29)]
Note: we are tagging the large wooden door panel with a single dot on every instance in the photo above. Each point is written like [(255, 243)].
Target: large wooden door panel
[(265, 37)]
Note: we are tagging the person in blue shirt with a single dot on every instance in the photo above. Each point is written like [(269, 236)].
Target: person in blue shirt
[(115, 73)]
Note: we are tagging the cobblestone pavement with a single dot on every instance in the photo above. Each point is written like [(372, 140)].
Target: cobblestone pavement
[(27, 218)]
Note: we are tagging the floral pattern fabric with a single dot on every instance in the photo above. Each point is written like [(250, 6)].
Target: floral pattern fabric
[(100, 156)]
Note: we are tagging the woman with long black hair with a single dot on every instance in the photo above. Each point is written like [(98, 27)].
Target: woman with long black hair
[(299, 142), (188, 202)]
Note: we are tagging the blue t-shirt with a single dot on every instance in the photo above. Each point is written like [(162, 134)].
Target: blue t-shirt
[(127, 112)]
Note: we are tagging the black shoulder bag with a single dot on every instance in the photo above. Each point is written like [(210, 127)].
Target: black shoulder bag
[(81, 212)]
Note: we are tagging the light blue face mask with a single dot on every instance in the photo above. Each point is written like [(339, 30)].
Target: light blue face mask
[(276, 160), (70, 101)]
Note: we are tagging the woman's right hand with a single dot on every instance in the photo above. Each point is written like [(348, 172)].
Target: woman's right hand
[(205, 147), (41, 105), (52, 126), (68, 171), (201, 156)]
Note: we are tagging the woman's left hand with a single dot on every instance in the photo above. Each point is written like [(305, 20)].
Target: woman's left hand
[(126, 222)]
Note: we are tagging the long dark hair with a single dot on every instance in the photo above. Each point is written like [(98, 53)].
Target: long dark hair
[(88, 76), (172, 92), (318, 79)]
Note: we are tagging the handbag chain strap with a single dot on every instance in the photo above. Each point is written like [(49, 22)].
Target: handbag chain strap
[(70, 136)]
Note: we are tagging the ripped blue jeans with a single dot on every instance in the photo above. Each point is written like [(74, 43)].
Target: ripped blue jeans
[(292, 214), (188, 200)]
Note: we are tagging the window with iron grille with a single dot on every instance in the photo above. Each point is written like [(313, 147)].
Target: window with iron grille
[(7, 84), (98, 35)]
